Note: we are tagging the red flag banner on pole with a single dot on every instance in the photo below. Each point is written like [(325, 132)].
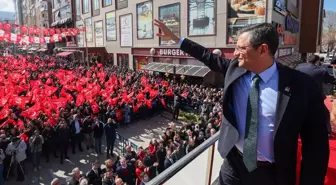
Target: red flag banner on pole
[(23, 29)]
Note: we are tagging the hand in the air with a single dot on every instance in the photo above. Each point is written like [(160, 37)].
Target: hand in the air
[(165, 32)]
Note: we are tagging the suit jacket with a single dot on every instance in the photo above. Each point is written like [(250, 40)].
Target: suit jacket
[(318, 73), (167, 163), (93, 178), (73, 127), (98, 131), (299, 111)]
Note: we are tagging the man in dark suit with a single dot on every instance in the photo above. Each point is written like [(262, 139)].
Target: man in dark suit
[(95, 175), (110, 132), (98, 131), (76, 133), (317, 72), (321, 75), (169, 159), (266, 107)]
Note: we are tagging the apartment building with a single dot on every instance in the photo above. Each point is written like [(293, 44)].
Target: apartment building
[(125, 27)]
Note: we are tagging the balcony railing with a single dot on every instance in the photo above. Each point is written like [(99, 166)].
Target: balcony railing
[(199, 167)]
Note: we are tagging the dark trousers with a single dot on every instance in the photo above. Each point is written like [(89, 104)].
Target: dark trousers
[(109, 147), (76, 139), (63, 151), (234, 172), (48, 148), (176, 113)]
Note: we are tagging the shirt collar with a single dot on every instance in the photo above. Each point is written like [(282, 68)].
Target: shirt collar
[(267, 74)]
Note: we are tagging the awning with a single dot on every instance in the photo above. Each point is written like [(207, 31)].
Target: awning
[(42, 49), (63, 21), (290, 61), (187, 70), (64, 54)]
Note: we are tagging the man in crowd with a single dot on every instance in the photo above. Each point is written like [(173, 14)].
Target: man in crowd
[(76, 133), (110, 132), (266, 107), (320, 75), (95, 175)]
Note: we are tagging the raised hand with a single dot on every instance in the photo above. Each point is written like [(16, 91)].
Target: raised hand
[(165, 32)]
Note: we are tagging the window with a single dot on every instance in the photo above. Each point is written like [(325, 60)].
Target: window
[(78, 12), (85, 6), (107, 2), (95, 7), (95, 4)]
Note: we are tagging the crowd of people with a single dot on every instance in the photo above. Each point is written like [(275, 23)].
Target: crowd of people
[(47, 102)]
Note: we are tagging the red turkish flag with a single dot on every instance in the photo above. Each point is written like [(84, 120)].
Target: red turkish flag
[(42, 40), (58, 31), (20, 124), (4, 112), (31, 40), (45, 31), (75, 31), (7, 36), (37, 31), (18, 38), (24, 29), (59, 38), (51, 40), (31, 30), (52, 31), (7, 27)]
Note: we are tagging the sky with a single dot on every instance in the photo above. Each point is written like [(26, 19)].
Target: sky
[(7, 5), (328, 5)]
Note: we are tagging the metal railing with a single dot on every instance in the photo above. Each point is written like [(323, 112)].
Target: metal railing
[(121, 143), (167, 174)]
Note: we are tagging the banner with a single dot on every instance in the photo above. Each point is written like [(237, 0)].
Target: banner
[(99, 38), (126, 32), (111, 27), (170, 15), (145, 20), (242, 14), (201, 18)]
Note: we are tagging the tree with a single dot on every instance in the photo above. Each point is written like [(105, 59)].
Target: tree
[(329, 30)]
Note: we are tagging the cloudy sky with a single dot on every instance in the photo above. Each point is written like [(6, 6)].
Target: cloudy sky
[(6, 5)]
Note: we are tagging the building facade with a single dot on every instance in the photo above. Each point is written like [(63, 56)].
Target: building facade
[(125, 27)]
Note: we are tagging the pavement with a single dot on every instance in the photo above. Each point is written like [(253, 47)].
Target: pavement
[(139, 133)]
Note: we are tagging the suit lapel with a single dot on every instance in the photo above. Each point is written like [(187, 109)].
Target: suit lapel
[(283, 96)]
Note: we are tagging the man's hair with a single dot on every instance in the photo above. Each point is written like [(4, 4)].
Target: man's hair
[(313, 59), (264, 33)]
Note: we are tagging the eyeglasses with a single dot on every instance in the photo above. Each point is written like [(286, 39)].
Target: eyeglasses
[(242, 49)]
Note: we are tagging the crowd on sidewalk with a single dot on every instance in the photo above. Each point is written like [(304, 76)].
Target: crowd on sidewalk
[(49, 105)]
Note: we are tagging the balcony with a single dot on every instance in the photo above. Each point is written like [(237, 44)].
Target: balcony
[(204, 158)]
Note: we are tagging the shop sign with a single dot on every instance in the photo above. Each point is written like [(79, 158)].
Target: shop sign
[(172, 52), (291, 24), (289, 39), (282, 52)]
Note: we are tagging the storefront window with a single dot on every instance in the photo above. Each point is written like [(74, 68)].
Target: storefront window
[(123, 60)]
